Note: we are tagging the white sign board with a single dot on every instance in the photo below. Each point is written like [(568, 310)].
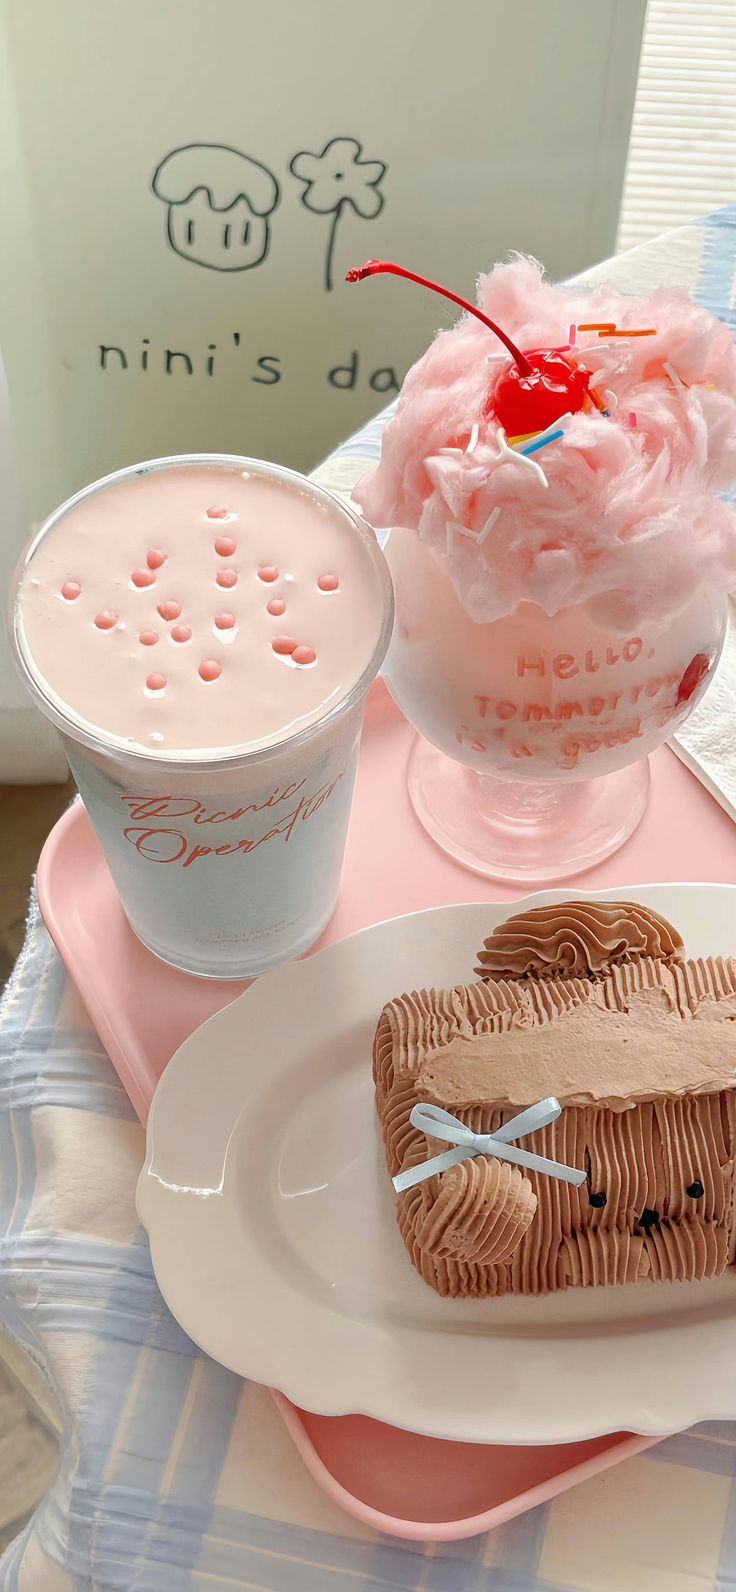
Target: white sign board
[(185, 186)]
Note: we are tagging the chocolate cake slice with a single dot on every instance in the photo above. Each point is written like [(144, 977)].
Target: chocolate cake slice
[(639, 1047)]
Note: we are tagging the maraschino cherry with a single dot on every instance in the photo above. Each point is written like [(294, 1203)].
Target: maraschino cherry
[(524, 402), (531, 392)]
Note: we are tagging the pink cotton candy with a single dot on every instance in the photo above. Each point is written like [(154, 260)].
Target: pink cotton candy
[(628, 522)]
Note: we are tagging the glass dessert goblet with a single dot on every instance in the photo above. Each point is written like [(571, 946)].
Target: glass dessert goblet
[(534, 731)]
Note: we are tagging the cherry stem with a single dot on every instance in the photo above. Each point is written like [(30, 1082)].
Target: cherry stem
[(387, 267)]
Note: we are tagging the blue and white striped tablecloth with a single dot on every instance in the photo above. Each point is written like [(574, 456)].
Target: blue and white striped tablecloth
[(174, 1474)]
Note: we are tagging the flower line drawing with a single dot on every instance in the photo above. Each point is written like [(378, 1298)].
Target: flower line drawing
[(335, 180)]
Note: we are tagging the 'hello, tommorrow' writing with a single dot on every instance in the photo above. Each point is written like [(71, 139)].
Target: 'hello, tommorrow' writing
[(158, 842)]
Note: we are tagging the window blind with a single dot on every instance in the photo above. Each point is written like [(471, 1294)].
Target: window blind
[(682, 154)]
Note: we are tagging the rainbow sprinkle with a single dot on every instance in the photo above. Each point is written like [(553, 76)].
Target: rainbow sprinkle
[(609, 329), (596, 399), (525, 436), (542, 443)]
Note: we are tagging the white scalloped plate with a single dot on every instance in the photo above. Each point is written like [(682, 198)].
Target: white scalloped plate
[(271, 1218)]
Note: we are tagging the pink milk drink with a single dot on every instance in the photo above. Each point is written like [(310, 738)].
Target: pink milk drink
[(203, 631)]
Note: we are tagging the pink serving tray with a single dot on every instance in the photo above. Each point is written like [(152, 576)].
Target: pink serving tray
[(398, 1482)]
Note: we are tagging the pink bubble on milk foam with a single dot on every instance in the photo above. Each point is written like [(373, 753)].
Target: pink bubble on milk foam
[(181, 633), (169, 610), (210, 669), (71, 590), (142, 578), (227, 578), (155, 558), (156, 682), (106, 619), (276, 606), (225, 546), (268, 573), (148, 638)]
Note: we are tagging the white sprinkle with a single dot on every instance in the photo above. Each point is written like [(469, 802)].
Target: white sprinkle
[(488, 527), (672, 373), (446, 452), (454, 528), (473, 439), (590, 351), (505, 452), (595, 348)]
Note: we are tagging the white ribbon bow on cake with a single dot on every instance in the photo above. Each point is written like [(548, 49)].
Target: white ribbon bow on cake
[(439, 1124)]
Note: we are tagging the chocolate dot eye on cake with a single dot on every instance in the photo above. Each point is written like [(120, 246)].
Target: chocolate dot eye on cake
[(596, 1005)]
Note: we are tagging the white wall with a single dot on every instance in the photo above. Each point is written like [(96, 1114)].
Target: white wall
[(501, 126)]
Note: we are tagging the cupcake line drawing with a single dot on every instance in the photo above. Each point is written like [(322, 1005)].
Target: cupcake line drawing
[(219, 201)]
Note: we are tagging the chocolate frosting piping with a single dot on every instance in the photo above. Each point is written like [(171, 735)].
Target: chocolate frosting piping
[(577, 939)]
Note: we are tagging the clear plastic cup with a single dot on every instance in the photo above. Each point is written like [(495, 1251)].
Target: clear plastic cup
[(226, 865)]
